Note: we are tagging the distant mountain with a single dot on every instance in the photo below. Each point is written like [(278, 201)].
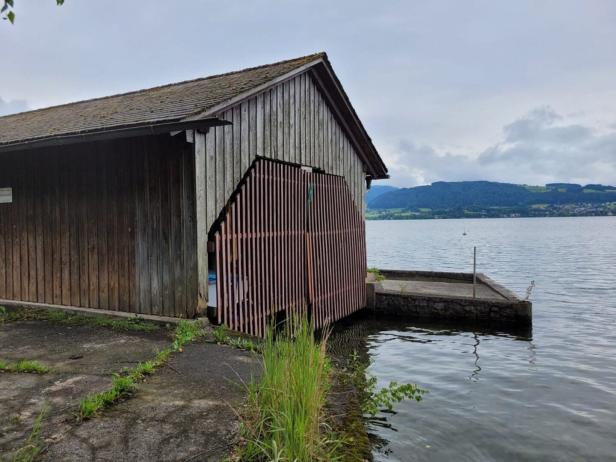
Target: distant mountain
[(378, 190), (486, 198)]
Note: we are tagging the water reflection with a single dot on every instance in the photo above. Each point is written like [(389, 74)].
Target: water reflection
[(364, 336), (475, 375)]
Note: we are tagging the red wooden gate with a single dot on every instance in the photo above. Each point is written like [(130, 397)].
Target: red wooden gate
[(291, 240)]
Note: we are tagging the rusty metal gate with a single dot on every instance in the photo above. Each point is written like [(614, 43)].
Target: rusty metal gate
[(291, 241)]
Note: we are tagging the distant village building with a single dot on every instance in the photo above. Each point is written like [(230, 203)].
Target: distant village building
[(243, 192)]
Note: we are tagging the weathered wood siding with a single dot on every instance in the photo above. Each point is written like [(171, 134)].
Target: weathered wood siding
[(291, 122), (108, 225)]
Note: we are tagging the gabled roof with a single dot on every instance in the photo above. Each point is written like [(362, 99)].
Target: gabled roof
[(190, 101)]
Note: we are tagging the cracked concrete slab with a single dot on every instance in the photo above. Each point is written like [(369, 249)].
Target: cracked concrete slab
[(185, 411)]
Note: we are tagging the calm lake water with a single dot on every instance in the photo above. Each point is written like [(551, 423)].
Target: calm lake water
[(543, 394)]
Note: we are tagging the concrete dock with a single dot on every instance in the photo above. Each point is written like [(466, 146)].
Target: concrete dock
[(446, 296)]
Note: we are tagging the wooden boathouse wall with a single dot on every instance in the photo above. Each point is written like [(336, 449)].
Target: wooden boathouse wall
[(124, 224), (108, 225), (292, 122)]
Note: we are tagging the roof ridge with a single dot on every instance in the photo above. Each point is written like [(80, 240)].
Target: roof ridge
[(314, 56)]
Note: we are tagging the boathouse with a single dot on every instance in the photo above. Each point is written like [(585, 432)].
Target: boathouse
[(243, 192)]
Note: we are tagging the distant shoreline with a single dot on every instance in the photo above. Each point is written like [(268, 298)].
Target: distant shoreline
[(377, 218)]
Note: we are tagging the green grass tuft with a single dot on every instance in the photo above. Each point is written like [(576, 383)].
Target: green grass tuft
[(221, 334), (223, 337), (25, 366), (124, 385), (186, 331), (162, 357), (34, 444), (286, 406), (377, 274), (92, 404)]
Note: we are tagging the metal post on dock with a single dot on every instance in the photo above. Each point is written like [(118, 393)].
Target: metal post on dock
[(474, 270)]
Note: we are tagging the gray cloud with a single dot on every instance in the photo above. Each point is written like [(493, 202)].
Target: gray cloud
[(11, 107), (539, 148), (440, 85)]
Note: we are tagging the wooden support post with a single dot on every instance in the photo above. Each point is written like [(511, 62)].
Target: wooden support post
[(201, 213), (474, 271)]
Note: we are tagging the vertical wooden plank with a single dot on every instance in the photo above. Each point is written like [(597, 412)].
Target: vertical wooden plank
[(219, 258), (3, 211), (73, 217), (292, 122), (317, 130), (309, 126), (252, 261), (245, 139), (82, 230), (92, 211), (237, 145), (269, 248), (201, 214), (55, 242), (16, 232), (221, 273), (133, 223), (259, 204), (283, 210), (280, 122), (259, 127), (220, 171), (191, 237), (252, 131), (30, 228), (166, 266), (239, 262), (124, 241), (113, 161), (154, 226), (302, 117), (231, 272), (286, 122), (5, 266), (101, 218), (177, 284), (229, 156), (297, 120), (23, 232), (210, 179), (273, 123), (8, 235), (143, 237), (267, 149)]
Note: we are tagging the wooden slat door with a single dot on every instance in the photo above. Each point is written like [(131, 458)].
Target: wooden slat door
[(291, 240)]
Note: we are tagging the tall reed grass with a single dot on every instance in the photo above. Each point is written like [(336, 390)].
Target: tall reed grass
[(286, 417)]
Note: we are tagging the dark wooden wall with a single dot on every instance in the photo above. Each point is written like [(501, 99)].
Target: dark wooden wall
[(108, 225)]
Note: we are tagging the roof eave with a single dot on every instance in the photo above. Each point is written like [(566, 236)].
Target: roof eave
[(144, 129)]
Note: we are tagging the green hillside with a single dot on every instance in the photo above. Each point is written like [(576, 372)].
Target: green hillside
[(491, 199)]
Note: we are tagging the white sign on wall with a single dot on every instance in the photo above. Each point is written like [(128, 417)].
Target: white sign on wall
[(6, 195)]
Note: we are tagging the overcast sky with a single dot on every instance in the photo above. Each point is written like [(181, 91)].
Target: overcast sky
[(521, 91)]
